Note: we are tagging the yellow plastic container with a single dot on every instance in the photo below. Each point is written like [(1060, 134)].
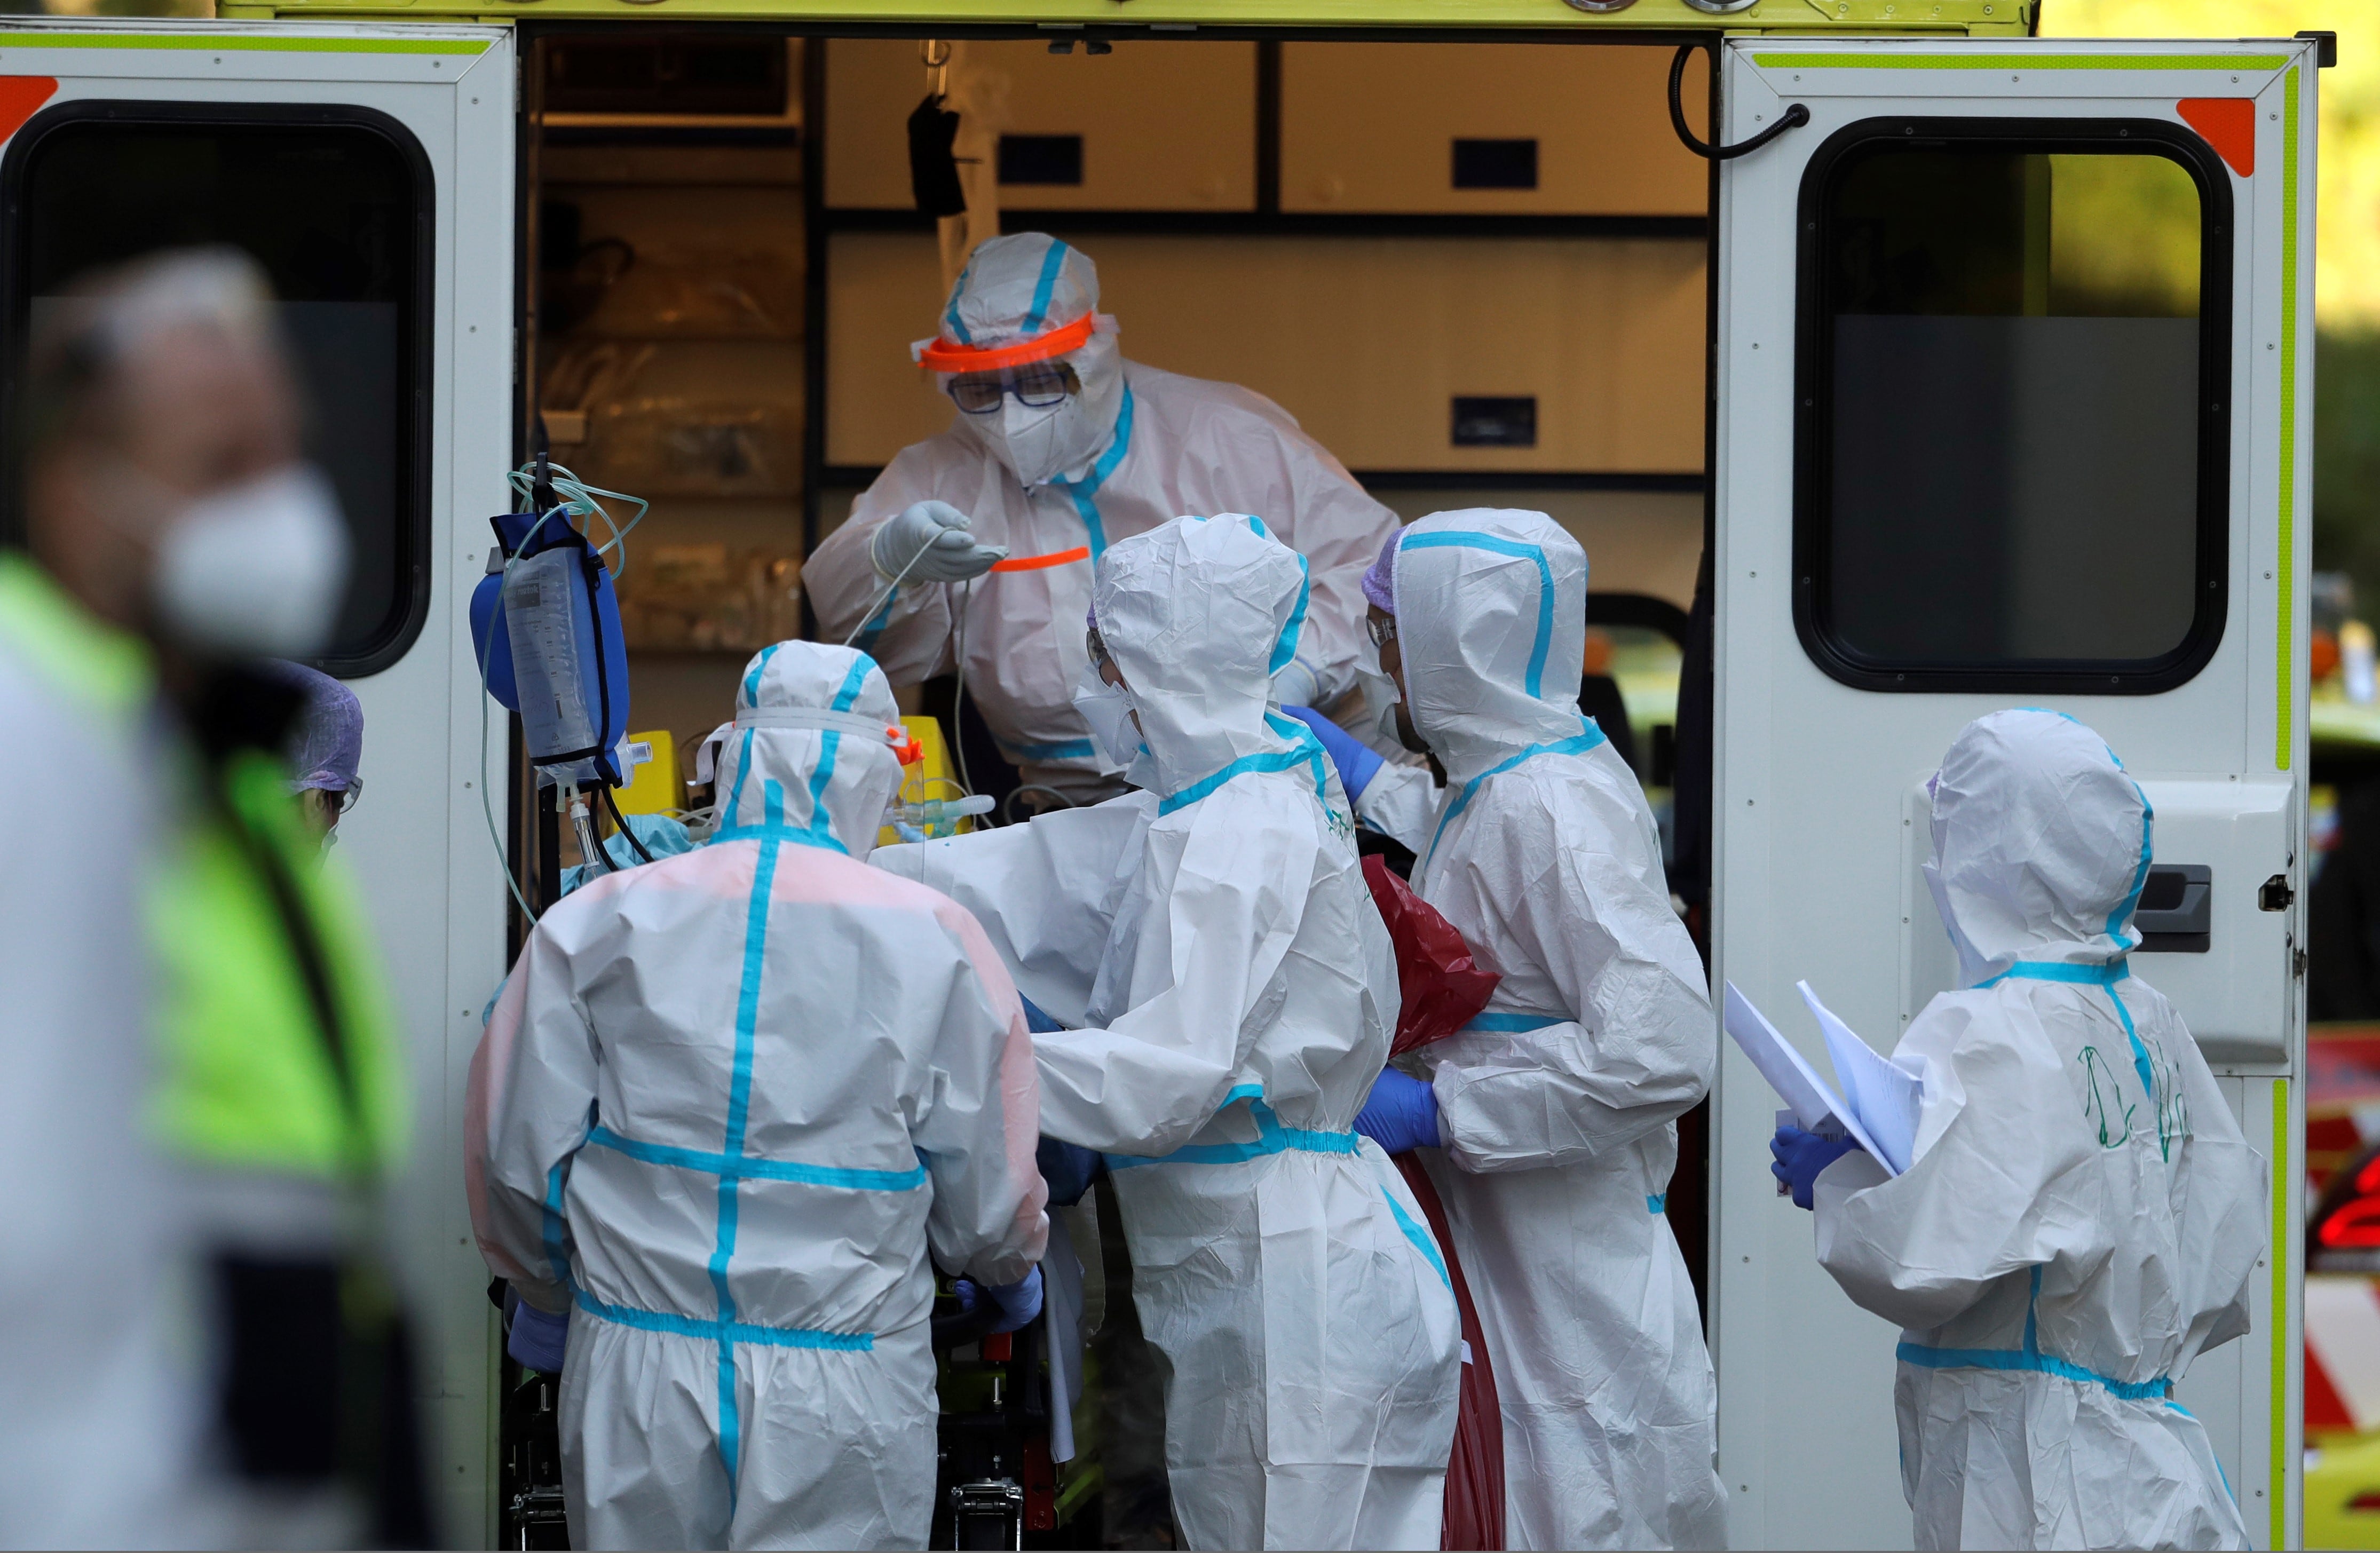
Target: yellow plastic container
[(936, 776), (653, 787)]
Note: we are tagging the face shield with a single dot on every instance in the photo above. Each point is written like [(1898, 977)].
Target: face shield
[(1027, 403)]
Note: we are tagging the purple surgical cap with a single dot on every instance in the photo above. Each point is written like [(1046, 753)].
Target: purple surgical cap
[(1381, 582), (326, 743)]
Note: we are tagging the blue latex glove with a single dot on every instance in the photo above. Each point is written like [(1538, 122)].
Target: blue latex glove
[(1018, 1303), (1037, 1022), (1400, 1114), (536, 1339), (1069, 1169), (1356, 763), (1801, 1155)]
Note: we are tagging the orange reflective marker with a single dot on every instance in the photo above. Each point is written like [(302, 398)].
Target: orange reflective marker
[(20, 98), (2228, 124)]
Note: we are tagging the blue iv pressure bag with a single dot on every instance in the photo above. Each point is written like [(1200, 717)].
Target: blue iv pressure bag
[(546, 626)]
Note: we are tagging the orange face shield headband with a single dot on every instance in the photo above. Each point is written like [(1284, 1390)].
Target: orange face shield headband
[(940, 355)]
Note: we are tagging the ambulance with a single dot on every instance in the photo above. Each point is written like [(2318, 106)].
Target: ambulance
[(1893, 364)]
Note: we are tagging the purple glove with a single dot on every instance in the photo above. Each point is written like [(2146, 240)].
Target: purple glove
[(1357, 765), (1402, 1113), (1801, 1155), (536, 1339), (1018, 1302)]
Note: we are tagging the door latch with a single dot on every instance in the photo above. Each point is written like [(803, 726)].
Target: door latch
[(2274, 895)]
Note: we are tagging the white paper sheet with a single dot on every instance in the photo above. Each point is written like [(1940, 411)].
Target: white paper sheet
[(1811, 1098), (1886, 1097)]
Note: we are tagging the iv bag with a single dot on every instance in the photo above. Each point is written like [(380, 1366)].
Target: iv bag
[(569, 669)]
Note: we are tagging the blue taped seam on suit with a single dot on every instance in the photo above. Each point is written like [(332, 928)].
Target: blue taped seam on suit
[(760, 667), (1263, 760), (1656, 1203), (874, 627), (951, 314), (726, 1333), (750, 1168), (1271, 1138), (1460, 539), (1043, 286), (557, 1256), (776, 834), (665, 1321), (739, 1099), (2101, 975), (2131, 900), (852, 682), (2031, 1358), (2016, 1359), (1424, 1242), (743, 765), (822, 826), (1069, 749), (1083, 490), (1284, 650), (1515, 1024), (1577, 745)]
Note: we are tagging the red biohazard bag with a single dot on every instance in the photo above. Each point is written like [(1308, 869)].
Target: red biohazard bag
[(1443, 989), (1474, 1517)]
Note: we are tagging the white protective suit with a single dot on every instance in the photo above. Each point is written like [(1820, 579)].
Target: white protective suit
[(726, 1103), (1136, 448), (1214, 937), (1558, 1103), (2082, 1217)]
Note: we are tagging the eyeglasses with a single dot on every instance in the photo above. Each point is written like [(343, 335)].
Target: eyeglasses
[(1383, 628), (339, 800), (1098, 649), (1037, 385)]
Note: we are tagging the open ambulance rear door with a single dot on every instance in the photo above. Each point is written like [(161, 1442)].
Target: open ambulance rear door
[(2014, 402), (369, 168)]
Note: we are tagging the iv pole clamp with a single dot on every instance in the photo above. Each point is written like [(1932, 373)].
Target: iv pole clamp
[(1795, 114)]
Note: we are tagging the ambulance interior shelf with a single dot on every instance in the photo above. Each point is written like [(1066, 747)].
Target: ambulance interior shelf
[(669, 361)]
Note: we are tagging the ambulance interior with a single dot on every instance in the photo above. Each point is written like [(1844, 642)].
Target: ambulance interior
[(1473, 271)]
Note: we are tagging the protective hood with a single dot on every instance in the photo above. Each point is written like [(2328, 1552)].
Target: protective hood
[(1017, 289), (2041, 843), (1491, 624), (1199, 615), (811, 754)]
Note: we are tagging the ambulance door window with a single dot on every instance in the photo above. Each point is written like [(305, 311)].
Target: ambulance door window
[(335, 205), (2011, 448)]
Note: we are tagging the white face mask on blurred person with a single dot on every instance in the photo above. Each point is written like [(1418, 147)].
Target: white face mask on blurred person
[(258, 570)]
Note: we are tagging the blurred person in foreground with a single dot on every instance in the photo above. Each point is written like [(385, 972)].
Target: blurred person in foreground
[(173, 537)]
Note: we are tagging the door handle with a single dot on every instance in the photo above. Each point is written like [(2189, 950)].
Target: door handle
[(2176, 915)]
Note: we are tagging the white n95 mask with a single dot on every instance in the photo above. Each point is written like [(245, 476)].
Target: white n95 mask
[(256, 571), (1038, 443), (1108, 709)]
